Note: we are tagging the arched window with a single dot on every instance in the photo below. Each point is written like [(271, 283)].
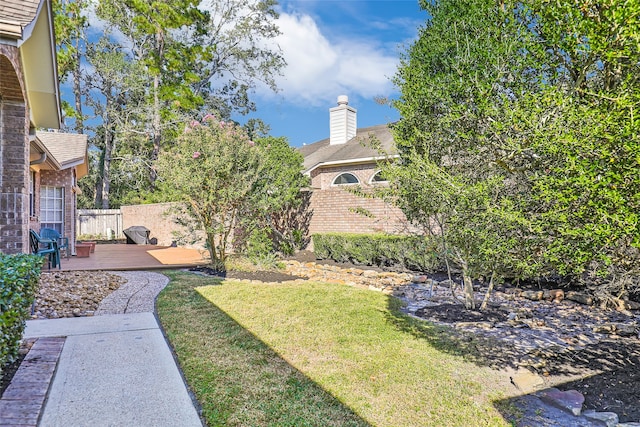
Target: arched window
[(378, 178), (345, 178)]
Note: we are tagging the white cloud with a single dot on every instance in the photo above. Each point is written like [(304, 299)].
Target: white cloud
[(318, 70), (99, 27)]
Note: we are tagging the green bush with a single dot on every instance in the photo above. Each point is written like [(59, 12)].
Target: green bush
[(259, 248), (382, 250), (19, 275)]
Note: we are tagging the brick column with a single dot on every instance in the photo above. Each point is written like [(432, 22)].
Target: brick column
[(14, 155)]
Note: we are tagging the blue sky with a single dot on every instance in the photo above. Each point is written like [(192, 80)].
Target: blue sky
[(336, 47), (332, 48)]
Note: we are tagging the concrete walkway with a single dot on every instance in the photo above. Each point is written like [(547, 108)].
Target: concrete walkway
[(116, 368)]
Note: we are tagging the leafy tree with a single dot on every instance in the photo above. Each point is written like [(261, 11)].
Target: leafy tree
[(70, 25), (198, 57), (460, 83), (280, 209), (117, 85), (256, 128), (151, 29), (214, 169), (521, 118), (238, 192), (587, 189), (238, 53)]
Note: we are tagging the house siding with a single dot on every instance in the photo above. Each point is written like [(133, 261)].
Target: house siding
[(335, 209), (14, 154)]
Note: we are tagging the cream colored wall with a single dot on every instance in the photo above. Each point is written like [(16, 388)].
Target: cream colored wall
[(159, 219)]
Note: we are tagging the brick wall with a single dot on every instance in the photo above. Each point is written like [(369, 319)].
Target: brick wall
[(333, 207), (333, 211), (14, 154)]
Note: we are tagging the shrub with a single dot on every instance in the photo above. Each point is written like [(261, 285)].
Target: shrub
[(19, 276), (382, 250), (259, 245)]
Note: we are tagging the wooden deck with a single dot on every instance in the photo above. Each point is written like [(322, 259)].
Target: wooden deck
[(135, 257)]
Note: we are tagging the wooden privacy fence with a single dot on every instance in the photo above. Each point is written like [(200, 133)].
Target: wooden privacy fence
[(104, 223)]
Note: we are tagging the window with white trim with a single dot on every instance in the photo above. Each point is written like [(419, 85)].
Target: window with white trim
[(377, 178), (345, 179), (52, 207)]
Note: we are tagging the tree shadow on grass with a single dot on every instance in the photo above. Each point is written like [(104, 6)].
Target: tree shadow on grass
[(237, 378), (607, 373)]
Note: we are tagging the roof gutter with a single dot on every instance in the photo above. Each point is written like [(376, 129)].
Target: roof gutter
[(44, 152), (351, 161), (42, 159)]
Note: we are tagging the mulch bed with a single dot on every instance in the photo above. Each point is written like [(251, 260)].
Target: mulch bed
[(452, 313), (9, 370)]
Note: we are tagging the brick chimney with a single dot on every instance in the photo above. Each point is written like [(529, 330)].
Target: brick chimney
[(342, 122)]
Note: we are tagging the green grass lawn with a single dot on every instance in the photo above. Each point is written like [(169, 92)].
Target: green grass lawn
[(318, 355)]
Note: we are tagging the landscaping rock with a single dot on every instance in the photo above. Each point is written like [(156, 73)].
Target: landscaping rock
[(478, 325), (527, 381), (579, 297), (608, 419), (380, 280), (73, 293), (532, 362), (570, 401), (555, 295), (632, 305), (533, 295), (621, 329)]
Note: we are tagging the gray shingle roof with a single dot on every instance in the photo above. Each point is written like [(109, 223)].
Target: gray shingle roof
[(15, 15), (69, 149), (357, 149)]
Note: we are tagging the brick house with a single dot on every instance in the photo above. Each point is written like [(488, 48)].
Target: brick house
[(29, 100), (53, 181), (347, 158)]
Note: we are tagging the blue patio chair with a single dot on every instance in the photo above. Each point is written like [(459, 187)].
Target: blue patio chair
[(42, 247), (51, 234)]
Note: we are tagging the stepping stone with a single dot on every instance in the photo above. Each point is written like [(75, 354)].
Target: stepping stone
[(570, 401), (527, 381)]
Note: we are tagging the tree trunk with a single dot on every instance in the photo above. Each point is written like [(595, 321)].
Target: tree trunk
[(98, 186), (485, 301), (106, 166), (469, 300), (77, 89), (157, 133), (445, 252), (156, 119)]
